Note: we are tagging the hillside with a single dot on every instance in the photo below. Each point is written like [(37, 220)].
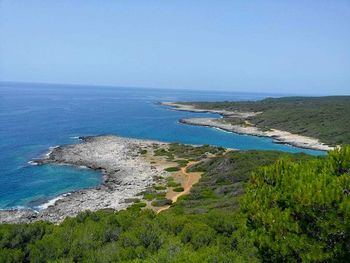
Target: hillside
[(293, 208)]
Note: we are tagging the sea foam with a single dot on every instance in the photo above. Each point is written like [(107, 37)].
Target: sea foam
[(51, 202)]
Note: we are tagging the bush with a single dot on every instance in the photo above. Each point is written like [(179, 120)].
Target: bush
[(159, 187), (182, 163), (162, 202), (11, 255), (178, 189), (197, 234), (137, 206), (149, 196), (172, 169), (143, 151), (171, 182)]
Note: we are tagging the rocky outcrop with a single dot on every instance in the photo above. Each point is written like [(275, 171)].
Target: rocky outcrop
[(125, 174)]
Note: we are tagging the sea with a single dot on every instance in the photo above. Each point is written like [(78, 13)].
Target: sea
[(36, 117)]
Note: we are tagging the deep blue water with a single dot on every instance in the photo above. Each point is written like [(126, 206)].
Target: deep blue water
[(34, 117)]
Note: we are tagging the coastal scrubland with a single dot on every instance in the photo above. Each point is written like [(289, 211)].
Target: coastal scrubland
[(326, 118), (178, 159), (249, 206)]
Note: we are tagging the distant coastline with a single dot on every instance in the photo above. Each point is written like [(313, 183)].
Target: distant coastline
[(278, 136)]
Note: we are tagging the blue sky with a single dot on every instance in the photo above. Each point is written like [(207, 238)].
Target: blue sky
[(267, 46)]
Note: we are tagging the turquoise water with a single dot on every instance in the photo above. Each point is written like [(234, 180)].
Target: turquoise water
[(35, 117)]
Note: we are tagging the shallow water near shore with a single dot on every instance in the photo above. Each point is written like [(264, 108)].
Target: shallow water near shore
[(34, 117)]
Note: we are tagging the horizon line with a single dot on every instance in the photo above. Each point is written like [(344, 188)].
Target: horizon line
[(171, 88)]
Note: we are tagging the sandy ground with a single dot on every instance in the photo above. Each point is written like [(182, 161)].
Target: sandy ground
[(186, 179)]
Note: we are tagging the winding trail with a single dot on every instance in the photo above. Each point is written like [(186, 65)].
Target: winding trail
[(188, 180)]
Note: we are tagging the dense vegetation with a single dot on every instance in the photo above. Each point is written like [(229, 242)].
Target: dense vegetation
[(224, 178), (325, 118), (301, 210), (295, 209)]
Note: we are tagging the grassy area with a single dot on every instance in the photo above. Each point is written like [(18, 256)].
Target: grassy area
[(325, 118), (180, 154), (252, 206), (150, 195), (184, 152), (171, 182)]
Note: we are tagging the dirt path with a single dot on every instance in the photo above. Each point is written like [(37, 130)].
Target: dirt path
[(187, 181)]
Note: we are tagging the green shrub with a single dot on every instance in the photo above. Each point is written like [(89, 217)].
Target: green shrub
[(182, 163), (178, 189), (173, 184), (159, 187), (163, 152), (161, 202), (149, 196), (197, 234), (137, 206), (143, 151), (11, 255), (172, 169)]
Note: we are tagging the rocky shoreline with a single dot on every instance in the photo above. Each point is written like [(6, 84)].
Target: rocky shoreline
[(278, 136), (125, 174), (191, 108)]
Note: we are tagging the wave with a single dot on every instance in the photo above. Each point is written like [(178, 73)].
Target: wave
[(222, 130), (17, 207), (51, 202), (32, 163), (43, 156), (47, 155)]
